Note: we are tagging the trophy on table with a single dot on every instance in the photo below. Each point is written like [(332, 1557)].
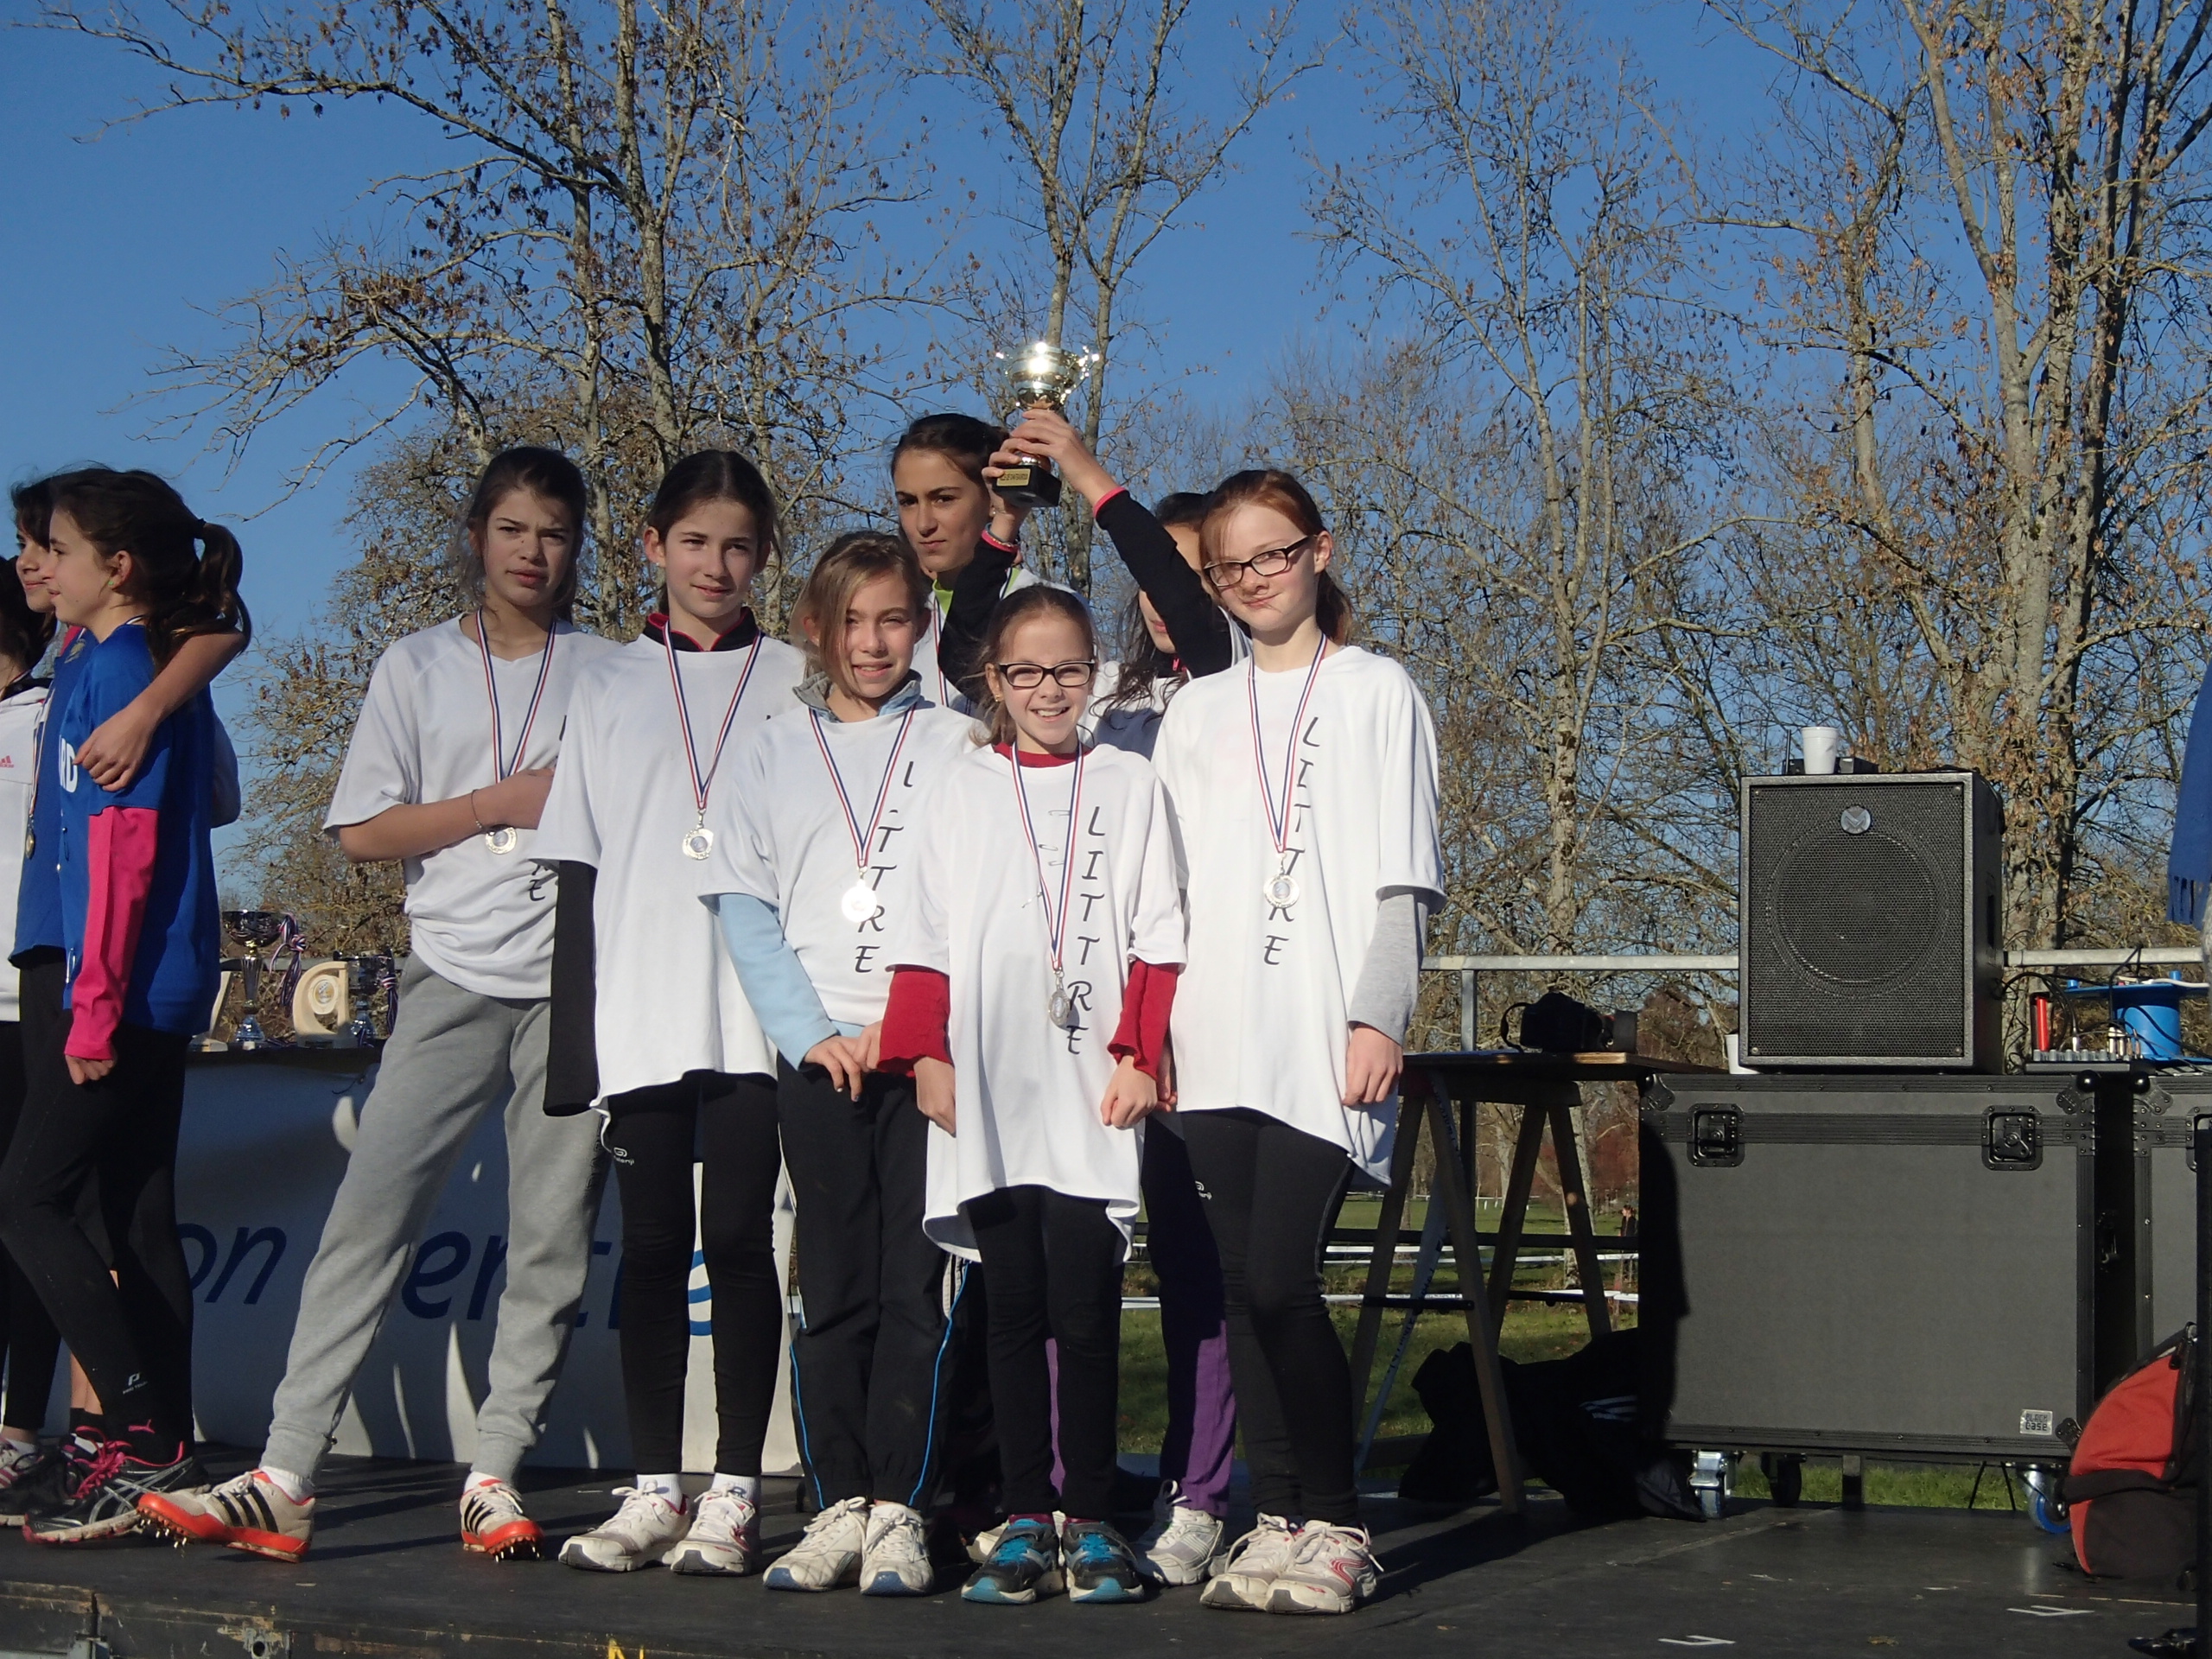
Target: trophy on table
[(1038, 376), (256, 929)]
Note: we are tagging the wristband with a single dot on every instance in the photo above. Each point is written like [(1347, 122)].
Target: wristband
[(1119, 489), (481, 829)]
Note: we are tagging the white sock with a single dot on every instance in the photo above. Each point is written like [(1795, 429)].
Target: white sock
[(298, 1488), (16, 1443), (478, 1478), (746, 1486), (668, 1486)]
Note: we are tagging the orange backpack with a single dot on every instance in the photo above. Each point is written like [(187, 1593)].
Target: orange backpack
[(2131, 1489)]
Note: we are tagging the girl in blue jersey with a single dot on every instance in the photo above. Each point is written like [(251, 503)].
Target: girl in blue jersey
[(133, 568)]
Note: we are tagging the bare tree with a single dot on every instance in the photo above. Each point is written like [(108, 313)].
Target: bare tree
[(1105, 156), (658, 235), (1989, 215)]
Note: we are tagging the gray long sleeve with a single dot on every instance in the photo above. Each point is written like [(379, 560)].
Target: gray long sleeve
[(1389, 979)]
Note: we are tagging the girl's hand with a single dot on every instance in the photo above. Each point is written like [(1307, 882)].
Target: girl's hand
[(84, 1071), (1131, 1097), (110, 757), (871, 1042), (1372, 1063), (520, 800), (841, 1058), (1005, 523), (933, 1093), (1045, 433)]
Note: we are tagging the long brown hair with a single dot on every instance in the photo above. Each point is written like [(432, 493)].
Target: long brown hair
[(852, 561), (544, 473), (1010, 613), (1266, 486), (185, 572), (1141, 663)]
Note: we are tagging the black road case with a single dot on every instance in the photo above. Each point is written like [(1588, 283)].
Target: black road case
[(1901, 1266)]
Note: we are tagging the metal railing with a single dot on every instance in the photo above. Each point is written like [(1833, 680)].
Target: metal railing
[(1468, 968)]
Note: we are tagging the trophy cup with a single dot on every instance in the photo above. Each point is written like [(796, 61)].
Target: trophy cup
[(256, 929), (1038, 376)]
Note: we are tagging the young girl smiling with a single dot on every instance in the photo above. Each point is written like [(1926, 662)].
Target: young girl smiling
[(1036, 973), (1304, 790)]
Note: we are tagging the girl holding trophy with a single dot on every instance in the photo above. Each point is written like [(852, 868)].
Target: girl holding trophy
[(962, 534)]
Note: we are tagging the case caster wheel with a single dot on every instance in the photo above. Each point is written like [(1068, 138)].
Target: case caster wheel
[(1785, 1478), (2045, 1507)]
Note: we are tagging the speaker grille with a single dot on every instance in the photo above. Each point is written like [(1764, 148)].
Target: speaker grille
[(1855, 943)]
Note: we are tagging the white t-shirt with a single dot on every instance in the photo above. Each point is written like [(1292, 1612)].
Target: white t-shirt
[(667, 999), (480, 918), (21, 717), (934, 686), (1260, 1014), (781, 836), (1028, 1092)]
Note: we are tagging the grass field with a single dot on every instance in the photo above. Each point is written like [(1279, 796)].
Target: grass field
[(1534, 1330)]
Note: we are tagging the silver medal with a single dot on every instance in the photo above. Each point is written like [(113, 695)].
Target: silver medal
[(1281, 890), (699, 843), (859, 903), (502, 839), (1059, 1008)]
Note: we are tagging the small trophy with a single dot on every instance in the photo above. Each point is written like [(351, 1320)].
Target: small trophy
[(256, 929), (1038, 377)]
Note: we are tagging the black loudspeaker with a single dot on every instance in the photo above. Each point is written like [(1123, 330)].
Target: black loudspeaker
[(1884, 1264), (1869, 922)]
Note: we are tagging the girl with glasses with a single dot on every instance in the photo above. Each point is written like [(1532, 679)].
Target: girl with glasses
[(1036, 973), (1304, 793)]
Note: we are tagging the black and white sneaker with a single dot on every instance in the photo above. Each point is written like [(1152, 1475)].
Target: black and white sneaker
[(49, 1486), (106, 1502)]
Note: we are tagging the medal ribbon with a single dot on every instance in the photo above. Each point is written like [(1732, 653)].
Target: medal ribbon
[(500, 766), (1056, 918), (1279, 823), (861, 844), (701, 784)]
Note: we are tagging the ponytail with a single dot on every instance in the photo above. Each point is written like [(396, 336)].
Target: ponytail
[(186, 593)]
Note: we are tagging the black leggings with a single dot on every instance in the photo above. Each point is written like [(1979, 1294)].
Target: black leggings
[(132, 1333), (32, 1344), (1272, 1194), (1053, 1266), (730, 1124)]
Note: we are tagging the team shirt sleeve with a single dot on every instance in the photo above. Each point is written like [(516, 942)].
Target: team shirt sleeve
[(1411, 860), (1156, 931), (922, 941), (382, 769), (743, 859), (229, 801), (567, 832)]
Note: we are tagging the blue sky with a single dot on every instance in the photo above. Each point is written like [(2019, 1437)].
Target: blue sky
[(117, 247)]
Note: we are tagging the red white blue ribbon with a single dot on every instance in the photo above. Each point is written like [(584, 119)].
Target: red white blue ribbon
[(863, 842), (701, 782), (1056, 916), (500, 765), (1279, 823)]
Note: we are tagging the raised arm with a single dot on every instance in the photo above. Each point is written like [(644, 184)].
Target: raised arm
[(112, 754)]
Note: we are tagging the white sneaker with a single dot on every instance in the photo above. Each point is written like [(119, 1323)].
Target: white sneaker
[(1244, 1577), (724, 1536), (641, 1532), (1333, 1571), (1182, 1544), (895, 1561), (828, 1554)]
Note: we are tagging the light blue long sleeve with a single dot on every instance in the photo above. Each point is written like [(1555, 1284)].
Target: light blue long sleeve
[(783, 998)]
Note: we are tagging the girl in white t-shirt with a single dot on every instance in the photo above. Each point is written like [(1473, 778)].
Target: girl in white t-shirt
[(1035, 978), (1304, 793), (447, 771), (650, 1024), (812, 873)]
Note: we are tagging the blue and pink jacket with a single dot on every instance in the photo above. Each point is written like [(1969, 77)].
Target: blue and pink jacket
[(139, 921)]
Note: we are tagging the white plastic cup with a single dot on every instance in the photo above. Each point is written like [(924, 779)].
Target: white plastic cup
[(1819, 745)]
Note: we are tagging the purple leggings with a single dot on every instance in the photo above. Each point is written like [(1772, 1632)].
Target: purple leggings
[(1201, 1439)]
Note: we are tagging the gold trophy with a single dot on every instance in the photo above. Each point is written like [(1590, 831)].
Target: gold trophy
[(1040, 376)]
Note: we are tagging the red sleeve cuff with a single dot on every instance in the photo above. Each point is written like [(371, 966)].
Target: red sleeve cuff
[(1004, 546), (1147, 1002), (1118, 490), (914, 1020)]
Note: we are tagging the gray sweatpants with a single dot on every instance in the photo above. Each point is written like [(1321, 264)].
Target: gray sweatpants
[(452, 1053)]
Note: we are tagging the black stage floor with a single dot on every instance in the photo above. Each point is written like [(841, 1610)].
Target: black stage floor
[(387, 1579)]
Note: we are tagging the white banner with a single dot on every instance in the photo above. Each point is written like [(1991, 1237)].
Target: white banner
[(264, 1145)]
